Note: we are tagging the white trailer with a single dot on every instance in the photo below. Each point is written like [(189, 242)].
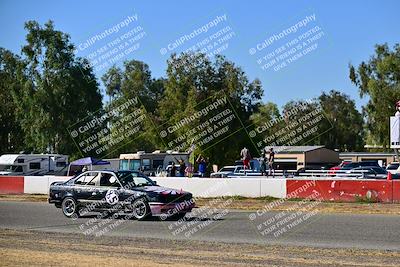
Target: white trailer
[(33, 164)]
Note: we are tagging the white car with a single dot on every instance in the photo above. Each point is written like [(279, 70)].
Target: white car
[(393, 167), (225, 171)]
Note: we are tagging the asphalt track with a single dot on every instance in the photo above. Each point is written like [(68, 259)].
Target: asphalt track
[(320, 230)]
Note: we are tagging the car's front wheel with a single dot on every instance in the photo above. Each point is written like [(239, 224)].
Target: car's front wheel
[(140, 209), (69, 207)]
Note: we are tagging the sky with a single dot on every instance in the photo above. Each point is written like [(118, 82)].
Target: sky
[(296, 48)]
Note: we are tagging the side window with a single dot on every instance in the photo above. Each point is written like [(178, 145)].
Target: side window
[(123, 164), (146, 164), (61, 164), (95, 180), (84, 179), (108, 180), (157, 163), (34, 165)]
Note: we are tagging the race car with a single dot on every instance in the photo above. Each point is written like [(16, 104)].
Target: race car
[(111, 192)]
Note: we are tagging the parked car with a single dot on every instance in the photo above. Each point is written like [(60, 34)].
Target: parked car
[(254, 164), (393, 167), (369, 172), (333, 169), (122, 191), (353, 165), (225, 171)]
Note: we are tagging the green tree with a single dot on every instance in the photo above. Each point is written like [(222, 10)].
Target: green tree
[(193, 78), (379, 79), (346, 131), (265, 113), (11, 73), (60, 89), (134, 81)]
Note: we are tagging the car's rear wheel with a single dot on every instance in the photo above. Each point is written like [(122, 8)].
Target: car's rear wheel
[(69, 207), (140, 209)]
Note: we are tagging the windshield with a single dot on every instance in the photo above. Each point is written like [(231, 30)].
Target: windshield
[(12, 168), (379, 170), (393, 166), (134, 179)]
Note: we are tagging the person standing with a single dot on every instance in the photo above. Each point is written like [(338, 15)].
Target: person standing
[(246, 157), (182, 168), (172, 171), (202, 165), (271, 160), (263, 164)]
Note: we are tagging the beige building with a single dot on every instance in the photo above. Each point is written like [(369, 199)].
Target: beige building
[(383, 159), (292, 158)]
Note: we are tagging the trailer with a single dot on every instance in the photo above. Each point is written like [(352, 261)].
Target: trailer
[(33, 164)]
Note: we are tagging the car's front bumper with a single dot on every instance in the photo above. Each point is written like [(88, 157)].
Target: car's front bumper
[(170, 209)]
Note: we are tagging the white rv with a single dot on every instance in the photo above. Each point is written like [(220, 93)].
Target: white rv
[(151, 163), (33, 164)]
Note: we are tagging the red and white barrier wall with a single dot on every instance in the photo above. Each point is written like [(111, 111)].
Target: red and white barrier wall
[(348, 190), (28, 184)]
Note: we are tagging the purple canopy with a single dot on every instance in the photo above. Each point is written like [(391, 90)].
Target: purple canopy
[(89, 161)]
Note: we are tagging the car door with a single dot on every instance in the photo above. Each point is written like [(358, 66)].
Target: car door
[(82, 191), (110, 190)]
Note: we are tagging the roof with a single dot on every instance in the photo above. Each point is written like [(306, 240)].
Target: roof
[(376, 154), (293, 149), (89, 161), (8, 159)]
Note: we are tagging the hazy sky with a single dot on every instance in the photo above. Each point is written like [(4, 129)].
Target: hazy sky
[(331, 34)]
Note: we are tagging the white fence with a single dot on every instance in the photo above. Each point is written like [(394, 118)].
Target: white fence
[(200, 187)]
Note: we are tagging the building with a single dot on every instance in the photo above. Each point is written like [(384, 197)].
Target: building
[(293, 158), (382, 158)]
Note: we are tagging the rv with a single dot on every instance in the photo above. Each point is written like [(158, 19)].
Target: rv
[(151, 163), (33, 164)]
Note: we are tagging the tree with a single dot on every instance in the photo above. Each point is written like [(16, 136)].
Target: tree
[(346, 131), (11, 73), (265, 113), (134, 81), (59, 90), (193, 80), (379, 79)]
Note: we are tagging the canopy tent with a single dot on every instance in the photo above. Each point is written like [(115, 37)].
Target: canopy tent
[(89, 161)]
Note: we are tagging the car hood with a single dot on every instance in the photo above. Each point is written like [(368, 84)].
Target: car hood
[(162, 190)]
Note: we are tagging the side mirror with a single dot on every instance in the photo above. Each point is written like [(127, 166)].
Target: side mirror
[(155, 182)]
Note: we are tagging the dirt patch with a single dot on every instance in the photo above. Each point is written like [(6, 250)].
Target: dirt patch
[(31, 248)]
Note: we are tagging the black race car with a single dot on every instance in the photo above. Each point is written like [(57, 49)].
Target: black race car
[(122, 191)]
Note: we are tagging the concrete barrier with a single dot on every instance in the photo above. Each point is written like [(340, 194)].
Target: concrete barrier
[(41, 184), (348, 190), (386, 191), (11, 184), (217, 187)]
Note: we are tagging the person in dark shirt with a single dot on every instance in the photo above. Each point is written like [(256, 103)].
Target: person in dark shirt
[(182, 168), (271, 160), (172, 171), (202, 165)]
